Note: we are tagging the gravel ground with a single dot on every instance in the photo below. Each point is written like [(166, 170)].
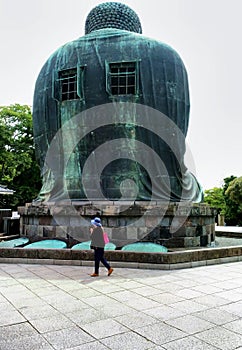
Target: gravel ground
[(227, 241)]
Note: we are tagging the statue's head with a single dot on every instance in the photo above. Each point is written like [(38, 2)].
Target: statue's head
[(113, 15)]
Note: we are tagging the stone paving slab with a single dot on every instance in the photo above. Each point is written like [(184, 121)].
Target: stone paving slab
[(54, 307)]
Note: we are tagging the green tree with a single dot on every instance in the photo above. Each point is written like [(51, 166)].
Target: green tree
[(215, 198), (18, 167), (234, 191), (227, 200), (234, 195), (232, 210)]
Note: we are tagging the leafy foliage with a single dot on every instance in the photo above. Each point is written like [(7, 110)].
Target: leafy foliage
[(234, 191), (233, 197), (215, 198), (18, 167), (227, 200), (232, 213)]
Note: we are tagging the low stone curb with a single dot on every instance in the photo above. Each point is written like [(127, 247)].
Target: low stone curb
[(169, 260)]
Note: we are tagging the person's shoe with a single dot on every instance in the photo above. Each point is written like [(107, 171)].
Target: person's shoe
[(94, 274), (110, 271)]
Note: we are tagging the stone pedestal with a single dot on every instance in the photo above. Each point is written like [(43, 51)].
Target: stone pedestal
[(174, 225)]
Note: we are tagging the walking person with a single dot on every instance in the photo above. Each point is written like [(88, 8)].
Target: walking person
[(98, 244)]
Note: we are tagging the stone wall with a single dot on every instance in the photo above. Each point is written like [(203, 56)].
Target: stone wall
[(174, 225), (170, 260)]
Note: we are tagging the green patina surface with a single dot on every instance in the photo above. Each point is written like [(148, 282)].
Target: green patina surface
[(87, 246), (161, 83), (14, 242), (145, 247), (48, 243)]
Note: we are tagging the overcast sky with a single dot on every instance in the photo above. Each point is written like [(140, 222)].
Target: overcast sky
[(206, 34)]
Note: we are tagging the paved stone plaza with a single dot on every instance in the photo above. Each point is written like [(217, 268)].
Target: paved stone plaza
[(62, 307)]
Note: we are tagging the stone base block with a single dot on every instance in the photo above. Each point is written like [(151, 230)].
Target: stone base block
[(174, 225)]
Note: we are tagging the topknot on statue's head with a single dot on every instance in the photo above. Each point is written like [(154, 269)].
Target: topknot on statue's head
[(112, 15)]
